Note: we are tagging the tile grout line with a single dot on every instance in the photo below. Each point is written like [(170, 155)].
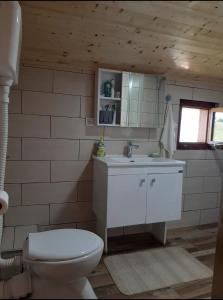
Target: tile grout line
[(50, 179), (49, 212), (21, 194), (14, 227)]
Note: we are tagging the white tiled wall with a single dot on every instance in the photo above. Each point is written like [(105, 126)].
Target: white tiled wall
[(202, 176), (49, 169)]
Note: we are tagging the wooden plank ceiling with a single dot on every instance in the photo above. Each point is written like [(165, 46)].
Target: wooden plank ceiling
[(182, 39)]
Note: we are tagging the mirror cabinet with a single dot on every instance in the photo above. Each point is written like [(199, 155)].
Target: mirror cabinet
[(127, 99)]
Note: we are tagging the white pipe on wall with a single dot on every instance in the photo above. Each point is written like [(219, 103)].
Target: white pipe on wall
[(10, 42), (15, 262), (4, 102)]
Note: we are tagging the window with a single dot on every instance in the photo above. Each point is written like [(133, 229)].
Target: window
[(217, 125), (199, 123)]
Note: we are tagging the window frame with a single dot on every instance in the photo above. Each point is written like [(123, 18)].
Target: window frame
[(212, 122), (199, 105)]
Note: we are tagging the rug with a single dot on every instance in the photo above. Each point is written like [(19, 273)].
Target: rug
[(154, 269)]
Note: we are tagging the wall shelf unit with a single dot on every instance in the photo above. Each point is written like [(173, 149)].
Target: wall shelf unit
[(108, 103), (109, 98)]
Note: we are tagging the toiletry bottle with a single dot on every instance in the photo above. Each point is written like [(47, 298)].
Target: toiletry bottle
[(101, 148), (112, 88)]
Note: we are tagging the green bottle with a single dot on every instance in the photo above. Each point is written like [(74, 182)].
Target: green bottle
[(101, 148)]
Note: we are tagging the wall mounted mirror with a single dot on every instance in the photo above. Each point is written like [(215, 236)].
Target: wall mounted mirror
[(128, 99)]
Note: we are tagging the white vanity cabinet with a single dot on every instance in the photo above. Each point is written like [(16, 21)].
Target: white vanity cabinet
[(126, 200), (164, 197), (134, 193)]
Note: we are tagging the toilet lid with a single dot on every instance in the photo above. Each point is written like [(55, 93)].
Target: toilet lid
[(61, 244)]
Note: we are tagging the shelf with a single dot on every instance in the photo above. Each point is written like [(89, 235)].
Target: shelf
[(110, 98), (109, 125)]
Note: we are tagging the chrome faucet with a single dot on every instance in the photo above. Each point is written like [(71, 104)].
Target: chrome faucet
[(130, 148)]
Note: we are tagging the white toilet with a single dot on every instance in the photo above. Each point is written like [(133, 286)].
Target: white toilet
[(60, 260)]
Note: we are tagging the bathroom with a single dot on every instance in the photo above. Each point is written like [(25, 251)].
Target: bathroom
[(58, 188)]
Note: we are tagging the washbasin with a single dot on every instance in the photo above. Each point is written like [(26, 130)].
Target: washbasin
[(137, 161), (134, 159)]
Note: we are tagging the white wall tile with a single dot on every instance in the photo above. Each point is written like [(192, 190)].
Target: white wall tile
[(193, 185), (146, 148), (14, 149), (15, 101), (73, 83), (70, 128), (51, 104), (218, 155), (29, 126), (154, 134), (85, 191), (58, 226), (212, 184), (66, 99), (21, 233), (43, 193), (199, 84), (87, 149), (87, 107), (68, 212), (15, 194), (202, 168), (27, 171), (27, 215), (200, 201), (115, 147), (93, 132), (126, 133), (179, 92), (190, 154), (36, 79), (189, 218), (120, 147), (209, 216), (49, 149), (207, 95), (219, 200), (176, 112), (71, 171), (90, 226), (7, 239)]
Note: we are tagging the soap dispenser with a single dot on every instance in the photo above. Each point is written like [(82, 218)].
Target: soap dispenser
[(101, 148)]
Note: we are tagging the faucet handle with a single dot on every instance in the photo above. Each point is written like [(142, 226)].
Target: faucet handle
[(130, 143)]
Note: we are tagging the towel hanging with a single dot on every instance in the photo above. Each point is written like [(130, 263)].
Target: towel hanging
[(168, 136)]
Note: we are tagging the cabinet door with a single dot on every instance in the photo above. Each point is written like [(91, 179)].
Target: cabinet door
[(164, 197), (126, 200)]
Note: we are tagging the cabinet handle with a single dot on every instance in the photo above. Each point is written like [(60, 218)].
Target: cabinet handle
[(153, 181), (142, 181)]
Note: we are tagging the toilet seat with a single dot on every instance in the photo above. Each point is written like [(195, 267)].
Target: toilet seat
[(61, 245)]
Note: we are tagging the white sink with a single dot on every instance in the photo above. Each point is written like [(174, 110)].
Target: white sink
[(137, 160), (133, 159)]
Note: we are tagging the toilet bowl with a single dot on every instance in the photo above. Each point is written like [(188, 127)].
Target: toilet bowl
[(59, 261)]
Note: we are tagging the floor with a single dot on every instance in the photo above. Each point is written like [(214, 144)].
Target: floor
[(200, 241)]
